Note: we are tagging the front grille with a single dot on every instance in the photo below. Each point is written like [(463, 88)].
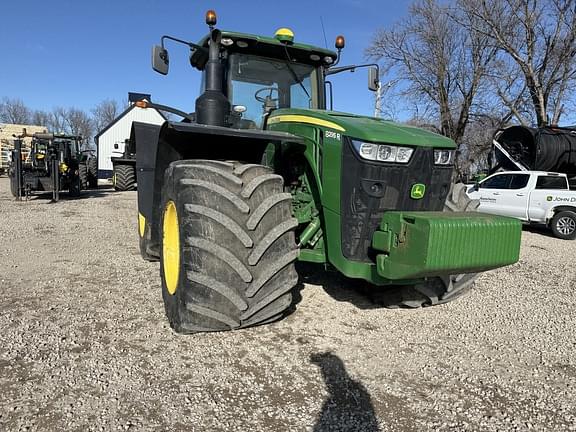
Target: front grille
[(368, 189)]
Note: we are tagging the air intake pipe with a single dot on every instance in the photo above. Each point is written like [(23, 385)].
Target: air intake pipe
[(212, 106)]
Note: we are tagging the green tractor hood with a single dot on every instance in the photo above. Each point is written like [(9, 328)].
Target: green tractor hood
[(362, 127)]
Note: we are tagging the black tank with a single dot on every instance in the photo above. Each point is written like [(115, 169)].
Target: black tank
[(539, 149)]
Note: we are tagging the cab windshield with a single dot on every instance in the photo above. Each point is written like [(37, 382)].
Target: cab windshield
[(261, 84)]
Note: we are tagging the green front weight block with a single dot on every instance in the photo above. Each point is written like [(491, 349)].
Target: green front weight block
[(421, 244)]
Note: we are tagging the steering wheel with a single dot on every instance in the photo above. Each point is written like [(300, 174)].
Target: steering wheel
[(267, 98)]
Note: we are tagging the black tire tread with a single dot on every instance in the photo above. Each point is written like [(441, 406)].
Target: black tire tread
[(228, 257), (249, 189), (265, 207), (125, 177), (219, 287), (218, 316), (269, 240), (271, 313), (223, 220), (239, 250), (240, 205), (83, 174), (92, 165)]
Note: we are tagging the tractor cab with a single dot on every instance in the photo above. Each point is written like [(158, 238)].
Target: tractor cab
[(68, 147), (64, 148), (39, 154), (264, 73), (246, 77)]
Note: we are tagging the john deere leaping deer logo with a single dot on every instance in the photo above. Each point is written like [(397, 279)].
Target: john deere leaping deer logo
[(418, 191)]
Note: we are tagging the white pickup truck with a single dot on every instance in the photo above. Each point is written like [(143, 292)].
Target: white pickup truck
[(533, 196)]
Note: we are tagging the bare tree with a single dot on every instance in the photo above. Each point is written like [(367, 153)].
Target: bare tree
[(79, 123), (443, 62), (538, 41), (57, 122), (477, 143), (105, 113), (41, 118), (14, 111)]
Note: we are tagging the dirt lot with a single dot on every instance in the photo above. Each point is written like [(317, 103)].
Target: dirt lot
[(84, 344)]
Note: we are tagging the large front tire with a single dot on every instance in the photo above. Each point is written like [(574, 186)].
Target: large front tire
[(440, 290), (227, 246)]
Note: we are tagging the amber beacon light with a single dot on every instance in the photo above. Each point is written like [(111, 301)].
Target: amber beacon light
[(211, 18)]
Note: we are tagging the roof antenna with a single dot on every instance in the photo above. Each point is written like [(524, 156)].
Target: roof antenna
[(324, 32)]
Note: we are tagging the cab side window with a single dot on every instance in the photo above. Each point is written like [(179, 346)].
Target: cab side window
[(519, 181), (501, 181), (551, 182)]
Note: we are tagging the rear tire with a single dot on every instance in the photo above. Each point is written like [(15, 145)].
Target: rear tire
[(124, 177), (235, 249), (563, 225), (439, 290), (83, 174), (92, 165)]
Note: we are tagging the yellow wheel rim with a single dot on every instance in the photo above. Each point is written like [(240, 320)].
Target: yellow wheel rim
[(171, 247)]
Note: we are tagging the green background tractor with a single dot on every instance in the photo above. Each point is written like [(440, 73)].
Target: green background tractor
[(262, 174)]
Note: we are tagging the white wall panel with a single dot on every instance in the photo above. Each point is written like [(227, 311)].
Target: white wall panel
[(119, 132)]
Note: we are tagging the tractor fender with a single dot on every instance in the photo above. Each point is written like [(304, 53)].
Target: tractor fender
[(156, 147)]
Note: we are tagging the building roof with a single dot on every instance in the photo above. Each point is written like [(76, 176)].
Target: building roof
[(117, 119)]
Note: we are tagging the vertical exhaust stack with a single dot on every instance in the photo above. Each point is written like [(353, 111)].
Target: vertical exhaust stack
[(212, 106)]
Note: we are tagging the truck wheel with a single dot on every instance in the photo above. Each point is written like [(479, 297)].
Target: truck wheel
[(564, 225), (83, 174), (92, 165), (227, 246), (439, 290), (124, 177)]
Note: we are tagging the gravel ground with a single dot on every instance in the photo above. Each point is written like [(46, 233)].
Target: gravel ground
[(84, 344)]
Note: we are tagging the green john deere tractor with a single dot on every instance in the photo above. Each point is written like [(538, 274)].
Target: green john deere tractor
[(262, 175)]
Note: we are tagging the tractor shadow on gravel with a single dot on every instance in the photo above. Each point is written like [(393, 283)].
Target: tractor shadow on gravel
[(348, 406), (355, 291)]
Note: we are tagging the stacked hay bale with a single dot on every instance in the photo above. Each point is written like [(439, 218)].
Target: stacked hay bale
[(7, 133)]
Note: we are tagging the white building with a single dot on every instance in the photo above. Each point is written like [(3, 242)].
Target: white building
[(110, 140)]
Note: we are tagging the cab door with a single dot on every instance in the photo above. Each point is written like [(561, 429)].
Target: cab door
[(504, 194)]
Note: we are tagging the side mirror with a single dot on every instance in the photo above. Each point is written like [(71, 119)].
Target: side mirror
[(373, 79), (160, 60), (476, 187)]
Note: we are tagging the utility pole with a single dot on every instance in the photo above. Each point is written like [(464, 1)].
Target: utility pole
[(382, 89), (378, 105)]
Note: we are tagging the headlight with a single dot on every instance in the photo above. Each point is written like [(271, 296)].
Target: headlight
[(383, 152), (367, 150), (443, 157)]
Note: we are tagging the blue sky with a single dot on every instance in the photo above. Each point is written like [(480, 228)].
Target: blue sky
[(77, 53)]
